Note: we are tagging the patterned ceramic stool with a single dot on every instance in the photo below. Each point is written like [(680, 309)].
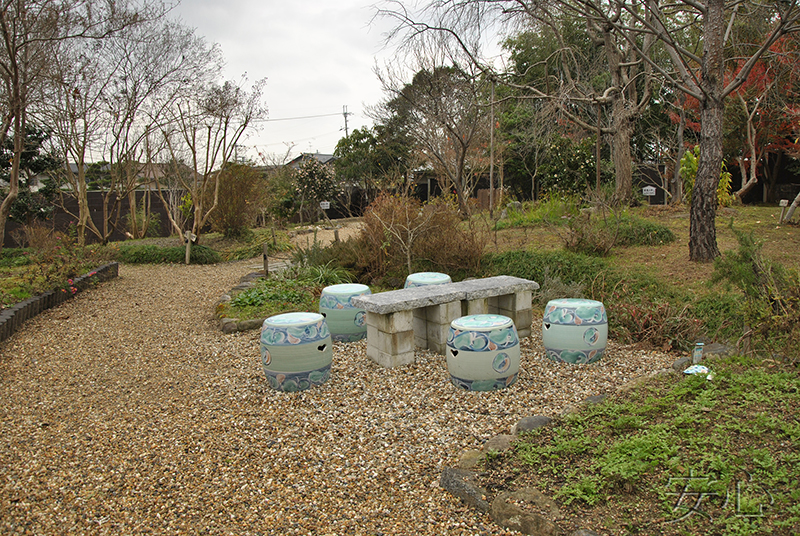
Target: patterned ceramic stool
[(296, 351), (575, 331), (345, 321), (421, 279), (483, 352)]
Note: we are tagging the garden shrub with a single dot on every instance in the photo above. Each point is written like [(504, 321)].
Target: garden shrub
[(151, 254), (12, 257), (241, 196), (254, 245), (553, 209), (57, 257), (641, 309), (538, 265), (635, 231), (590, 234), (403, 235)]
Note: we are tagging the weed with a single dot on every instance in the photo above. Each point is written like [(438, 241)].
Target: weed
[(772, 295), (629, 459), (586, 488)]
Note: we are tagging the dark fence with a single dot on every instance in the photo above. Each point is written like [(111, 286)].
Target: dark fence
[(65, 216)]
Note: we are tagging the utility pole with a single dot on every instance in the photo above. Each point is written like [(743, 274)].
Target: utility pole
[(345, 113)]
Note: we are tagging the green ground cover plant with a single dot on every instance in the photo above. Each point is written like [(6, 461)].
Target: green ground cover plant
[(297, 288), (52, 260), (695, 455)]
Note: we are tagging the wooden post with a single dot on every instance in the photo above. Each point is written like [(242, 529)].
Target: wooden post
[(336, 235), (266, 260), (188, 236)]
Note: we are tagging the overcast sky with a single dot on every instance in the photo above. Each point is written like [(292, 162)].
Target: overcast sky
[(317, 56)]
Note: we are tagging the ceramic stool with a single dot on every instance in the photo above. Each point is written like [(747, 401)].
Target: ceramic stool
[(296, 351), (483, 352), (421, 279), (574, 330), (345, 321)]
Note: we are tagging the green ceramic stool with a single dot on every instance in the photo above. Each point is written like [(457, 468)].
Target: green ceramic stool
[(483, 352), (346, 322), (421, 279), (575, 331), (296, 351)]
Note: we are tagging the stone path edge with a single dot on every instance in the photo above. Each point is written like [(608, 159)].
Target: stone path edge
[(12, 318)]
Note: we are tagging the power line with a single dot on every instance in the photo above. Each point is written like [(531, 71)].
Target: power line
[(295, 118)]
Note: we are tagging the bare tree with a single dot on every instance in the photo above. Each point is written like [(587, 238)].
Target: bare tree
[(447, 117), (570, 79), (202, 134), (695, 64), (32, 30), (107, 97)]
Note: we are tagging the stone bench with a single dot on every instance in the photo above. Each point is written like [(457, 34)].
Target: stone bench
[(398, 321)]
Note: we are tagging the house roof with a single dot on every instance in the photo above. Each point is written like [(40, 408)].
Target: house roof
[(322, 158)]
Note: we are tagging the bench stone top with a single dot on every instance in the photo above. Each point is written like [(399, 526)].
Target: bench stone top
[(418, 297)]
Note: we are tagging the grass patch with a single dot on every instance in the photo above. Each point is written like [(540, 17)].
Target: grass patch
[(654, 452)]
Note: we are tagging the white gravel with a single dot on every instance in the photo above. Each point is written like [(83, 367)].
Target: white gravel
[(127, 411)]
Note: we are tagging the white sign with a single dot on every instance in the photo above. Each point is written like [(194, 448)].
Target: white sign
[(649, 191), (324, 205), (784, 203)]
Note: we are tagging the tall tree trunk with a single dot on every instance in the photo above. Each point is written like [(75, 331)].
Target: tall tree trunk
[(13, 178), (702, 226), (621, 152)]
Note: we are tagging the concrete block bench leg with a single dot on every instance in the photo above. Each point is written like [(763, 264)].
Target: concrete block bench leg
[(390, 338), (475, 307), (517, 307), (438, 324)]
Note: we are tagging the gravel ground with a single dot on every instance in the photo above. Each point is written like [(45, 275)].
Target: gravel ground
[(127, 411)]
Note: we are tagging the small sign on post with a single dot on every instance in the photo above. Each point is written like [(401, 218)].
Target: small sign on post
[(324, 205), (783, 204), (649, 191)]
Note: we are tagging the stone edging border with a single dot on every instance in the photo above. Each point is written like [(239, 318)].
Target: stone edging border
[(232, 325), (12, 318)]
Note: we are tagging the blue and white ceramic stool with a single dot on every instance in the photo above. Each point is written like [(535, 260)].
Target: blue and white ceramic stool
[(421, 279), (345, 321), (574, 330), (296, 351), (483, 352)]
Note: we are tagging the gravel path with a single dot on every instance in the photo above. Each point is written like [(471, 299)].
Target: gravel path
[(127, 411)]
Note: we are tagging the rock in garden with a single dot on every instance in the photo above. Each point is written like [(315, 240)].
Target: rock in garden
[(462, 484), (592, 400), (681, 364), (470, 459), (526, 424), (527, 511), (499, 443)]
